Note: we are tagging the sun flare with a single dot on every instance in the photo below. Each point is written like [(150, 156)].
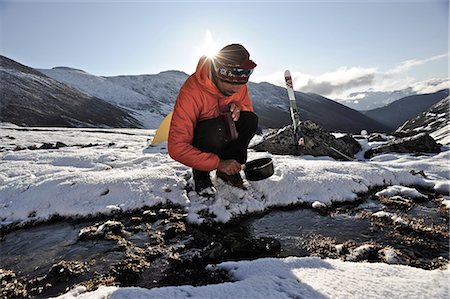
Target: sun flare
[(210, 47)]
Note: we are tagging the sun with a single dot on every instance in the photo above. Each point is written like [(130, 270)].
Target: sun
[(210, 47)]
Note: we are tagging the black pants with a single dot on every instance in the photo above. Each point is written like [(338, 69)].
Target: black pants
[(209, 136)]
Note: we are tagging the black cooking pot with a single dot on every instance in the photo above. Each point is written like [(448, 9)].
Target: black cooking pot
[(258, 169)]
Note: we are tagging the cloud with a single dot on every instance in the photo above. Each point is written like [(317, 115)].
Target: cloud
[(342, 79), (342, 82), (408, 64), (431, 85), (329, 83)]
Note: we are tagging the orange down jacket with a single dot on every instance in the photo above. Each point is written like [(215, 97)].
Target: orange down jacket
[(199, 99)]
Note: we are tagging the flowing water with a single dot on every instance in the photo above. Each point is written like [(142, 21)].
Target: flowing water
[(296, 229), (128, 254)]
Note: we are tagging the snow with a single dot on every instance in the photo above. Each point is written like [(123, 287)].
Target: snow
[(149, 98), (401, 190), (442, 135), (395, 218), (295, 277), (104, 170)]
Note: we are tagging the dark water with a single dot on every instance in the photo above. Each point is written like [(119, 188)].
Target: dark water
[(34, 250), (31, 252), (295, 228)]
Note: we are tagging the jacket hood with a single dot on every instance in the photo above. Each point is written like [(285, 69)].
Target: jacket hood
[(203, 75)]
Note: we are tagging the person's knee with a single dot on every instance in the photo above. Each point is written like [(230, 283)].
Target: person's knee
[(209, 135), (249, 120)]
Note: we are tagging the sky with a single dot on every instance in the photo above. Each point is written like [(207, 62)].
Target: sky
[(332, 48)]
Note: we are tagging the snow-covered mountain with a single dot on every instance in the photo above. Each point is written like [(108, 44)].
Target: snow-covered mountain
[(368, 100), (396, 113), (151, 97), (30, 98), (435, 121), (148, 97)]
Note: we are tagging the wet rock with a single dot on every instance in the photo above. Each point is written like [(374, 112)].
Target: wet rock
[(323, 247), (364, 252), (391, 255), (172, 229), (396, 202), (101, 230), (421, 143), (197, 275), (318, 142), (268, 246), (65, 270), (320, 206), (149, 216), (437, 263), (214, 252), (129, 271), (11, 286)]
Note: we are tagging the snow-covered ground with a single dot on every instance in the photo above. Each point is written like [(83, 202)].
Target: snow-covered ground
[(299, 278), (104, 170)]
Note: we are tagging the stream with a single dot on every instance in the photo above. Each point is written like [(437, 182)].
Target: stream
[(156, 246)]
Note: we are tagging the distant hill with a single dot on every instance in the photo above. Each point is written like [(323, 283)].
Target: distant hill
[(29, 98), (369, 100), (435, 121), (396, 113)]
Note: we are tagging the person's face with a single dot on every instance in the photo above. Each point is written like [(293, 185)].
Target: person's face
[(226, 88)]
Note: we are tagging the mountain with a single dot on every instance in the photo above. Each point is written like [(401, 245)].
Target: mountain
[(369, 100), (148, 97), (62, 95), (151, 97), (435, 121), (272, 107), (396, 113), (30, 98)]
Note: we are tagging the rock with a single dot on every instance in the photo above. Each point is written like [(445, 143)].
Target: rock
[(65, 270), (319, 206), (365, 252), (391, 255), (60, 144), (378, 137), (318, 142), (100, 230), (46, 146), (214, 252), (421, 143)]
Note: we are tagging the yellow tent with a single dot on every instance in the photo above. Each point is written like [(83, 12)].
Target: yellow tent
[(162, 133)]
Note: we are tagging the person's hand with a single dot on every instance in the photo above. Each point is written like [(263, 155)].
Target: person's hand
[(235, 111), (229, 167)]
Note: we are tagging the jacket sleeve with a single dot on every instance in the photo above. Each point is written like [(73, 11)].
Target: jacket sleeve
[(246, 103), (181, 135)]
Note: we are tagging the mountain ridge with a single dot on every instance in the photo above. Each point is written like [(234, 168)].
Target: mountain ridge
[(149, 98), (30, 98), (396, 113), (270, 102)]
